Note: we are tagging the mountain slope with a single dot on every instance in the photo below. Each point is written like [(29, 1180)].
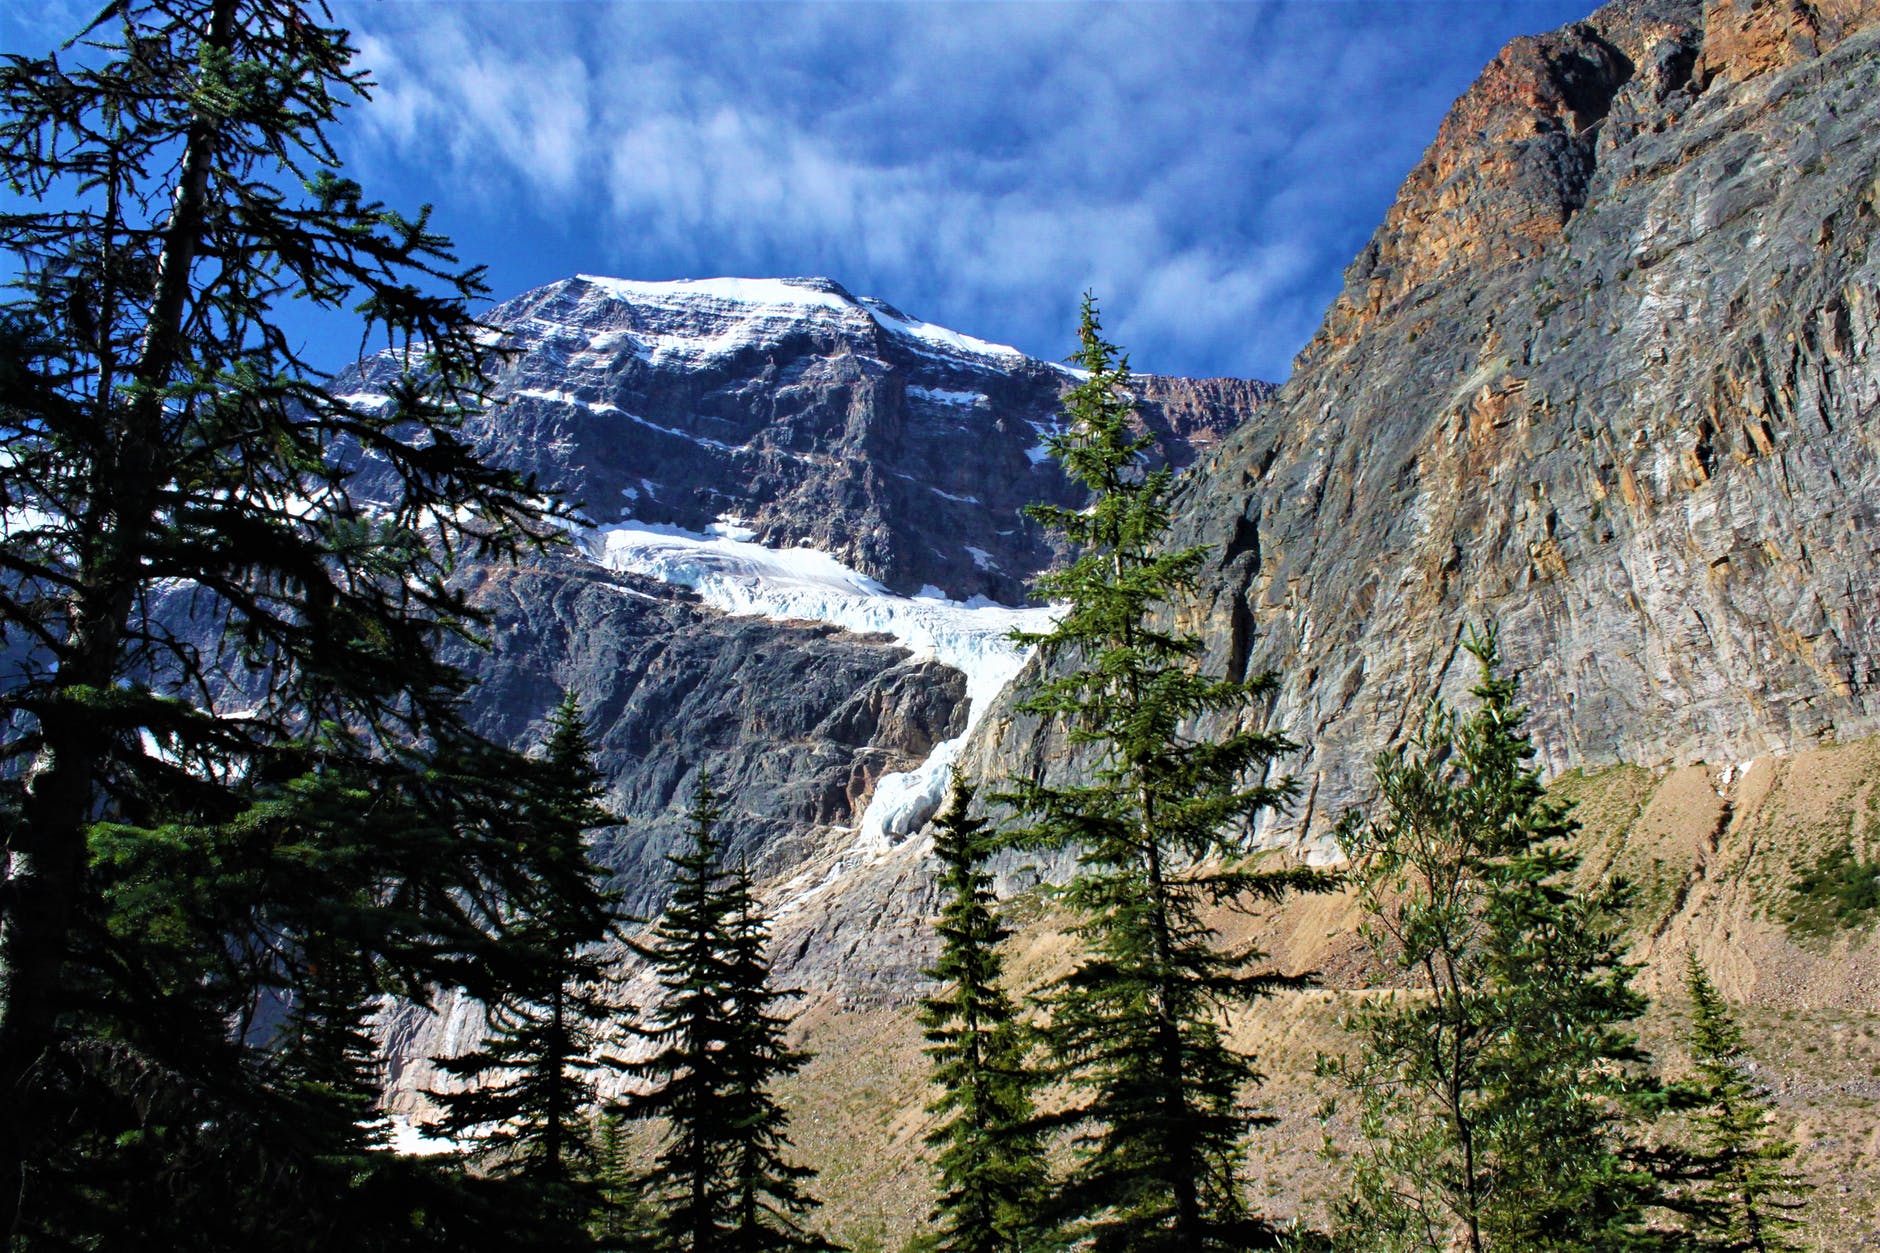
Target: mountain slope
[(809, 415), (1607, 376)]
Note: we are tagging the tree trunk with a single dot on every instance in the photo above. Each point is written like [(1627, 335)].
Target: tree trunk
[(44, 855)]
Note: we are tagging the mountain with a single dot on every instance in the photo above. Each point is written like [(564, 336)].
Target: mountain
[(803, 549), (753, 455), (1605, 377), (809, 416)]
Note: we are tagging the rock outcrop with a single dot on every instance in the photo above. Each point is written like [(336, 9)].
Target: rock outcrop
[(1606, 377)]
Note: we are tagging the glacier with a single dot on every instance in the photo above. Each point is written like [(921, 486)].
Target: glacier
[(731, 572)]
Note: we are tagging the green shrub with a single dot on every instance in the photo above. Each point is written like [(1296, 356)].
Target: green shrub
[(1839, 891)]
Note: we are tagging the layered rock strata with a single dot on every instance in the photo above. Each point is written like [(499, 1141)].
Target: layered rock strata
[(1606, 378)]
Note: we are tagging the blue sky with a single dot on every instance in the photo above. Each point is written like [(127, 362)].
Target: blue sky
[(1208, 169)]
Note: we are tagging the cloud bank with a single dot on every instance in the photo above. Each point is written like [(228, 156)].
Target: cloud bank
[(1207, 169)]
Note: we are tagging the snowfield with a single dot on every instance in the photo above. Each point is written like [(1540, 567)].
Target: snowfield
[(715, 317), (733, 574)]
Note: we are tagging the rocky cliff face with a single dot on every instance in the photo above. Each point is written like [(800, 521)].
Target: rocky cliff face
[(812, 416), (1606, 376)]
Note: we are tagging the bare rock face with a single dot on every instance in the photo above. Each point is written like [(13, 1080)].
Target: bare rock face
[(813, 416), (794, 723), (1606, 377)]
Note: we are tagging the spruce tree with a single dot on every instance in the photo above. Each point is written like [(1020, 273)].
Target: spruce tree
[(620, 1220), (1137, 1029), (768, 1194), (530, 1090), (197, 603), (325, 1058), (687, 1076), (1501, 1101), (1749, 1196), (720, 1048), (990, 1156)]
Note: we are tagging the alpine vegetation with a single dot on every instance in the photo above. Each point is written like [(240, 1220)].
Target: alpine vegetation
[(1747, 1195)]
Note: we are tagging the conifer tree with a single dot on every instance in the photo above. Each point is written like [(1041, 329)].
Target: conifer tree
[(620, 1219), (531, 1091), (195, 601), (1137, 1028), (1500, 1105), (1748, 1199), (325, 1058), (687, 1076), (991, 1159), (721, 1174), (768, 1192)]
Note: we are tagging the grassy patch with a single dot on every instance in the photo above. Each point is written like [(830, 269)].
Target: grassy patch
[(1839, 891)]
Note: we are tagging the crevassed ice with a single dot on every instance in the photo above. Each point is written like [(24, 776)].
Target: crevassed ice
[(738, 576)]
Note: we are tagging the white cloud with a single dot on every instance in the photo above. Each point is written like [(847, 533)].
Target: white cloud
[(1208, 168)]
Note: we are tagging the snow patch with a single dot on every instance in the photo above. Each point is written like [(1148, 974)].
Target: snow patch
[(737, 291), (409, 1140), (1040, 452), (740, 312), (731, 527), (949, 343), (940, 396), (732, 574)]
